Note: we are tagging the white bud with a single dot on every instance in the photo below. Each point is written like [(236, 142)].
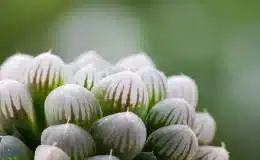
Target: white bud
[(48, 152)]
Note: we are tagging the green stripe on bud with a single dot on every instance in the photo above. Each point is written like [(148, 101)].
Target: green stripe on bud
[(124, 133), (72, 102), (211, 153), (175, 142), (121, 92)]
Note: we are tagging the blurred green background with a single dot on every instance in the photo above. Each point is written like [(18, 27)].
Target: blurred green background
[(215, 42)]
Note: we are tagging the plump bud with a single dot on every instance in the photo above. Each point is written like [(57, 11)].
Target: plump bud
[(14, 67), (205, 127), (168, 112), (73, 140), (103, 157), (175, 142), (11, 148), (48, 152), (16, 107), (145, 156), (183, 86), (211, 153), (72, 102), (44, 73), (155, 82), (135, 62), (121, 92), (88, 77), (89, 57), (124, 133)]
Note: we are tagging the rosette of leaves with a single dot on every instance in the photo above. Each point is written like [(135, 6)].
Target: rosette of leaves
[(124, 133), (48, 152), (212, 153), (135, 62), (14, 67), (168, 112), (175, 142), (73, 140), (73, 102), (155, 82), (44, 73), (121, 92), (11, 148), (205, 127), (89, 57), (87, 76), (183, 86), (16, 108)]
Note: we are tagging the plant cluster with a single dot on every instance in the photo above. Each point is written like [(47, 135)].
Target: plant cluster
[(91, 109)]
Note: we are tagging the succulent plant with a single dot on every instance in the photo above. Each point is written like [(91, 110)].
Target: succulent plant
[(88, 76), (121, 92), (155, 82), (92, 110), (183, 86), (135, 62), (48, 152), (124, 133), (14, 67), (212, 153), (11, 148), (205, 127), (73, 140), (72, 102), (174, 142), (168, 112)]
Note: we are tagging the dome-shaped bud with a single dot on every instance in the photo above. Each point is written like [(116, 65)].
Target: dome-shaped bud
[(14, 67), (175, 142), (103, 157), (168, 112), (135, 62), (11, 148), (89, 57), (124, 133), (121, 92), (48, 152), (211, 153), (73, 140), (16, 107), (205, 127), (87, 77), (73, 102), (155, 82), (183, 86)]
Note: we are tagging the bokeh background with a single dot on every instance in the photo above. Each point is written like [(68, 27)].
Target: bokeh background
[(215, 42)]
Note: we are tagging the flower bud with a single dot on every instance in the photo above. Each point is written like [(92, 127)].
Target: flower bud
[(72, 102), (87, 77), (11, 148), (182, 86), (16, 107), (48, 152), (123, 132), (168, 112), (121, 92), (155, 82), (135, 62), (211, 153), (73, 140), (175, 142), (103, 157), (205, 127), (89, 57), (14, 67)]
